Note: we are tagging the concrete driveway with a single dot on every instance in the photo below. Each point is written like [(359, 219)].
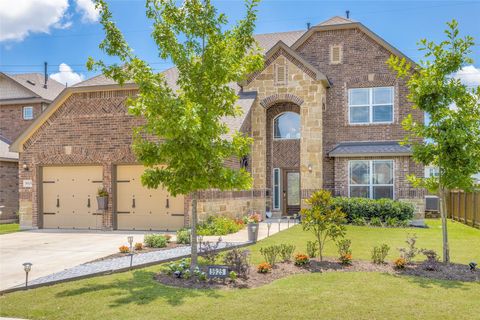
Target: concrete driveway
[(54, 250)]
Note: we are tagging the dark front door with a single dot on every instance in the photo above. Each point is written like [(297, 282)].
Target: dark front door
[(291, 192)]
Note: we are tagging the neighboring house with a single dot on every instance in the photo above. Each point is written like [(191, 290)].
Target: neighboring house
[(325, 112), (23, 97)]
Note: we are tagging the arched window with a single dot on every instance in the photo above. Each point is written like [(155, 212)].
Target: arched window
[(287, 126)]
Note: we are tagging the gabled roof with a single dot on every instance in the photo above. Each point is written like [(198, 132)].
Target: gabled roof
[(338, 23), (335, 20), (370, 148), (34, 82), (280, 45), (267, 40)]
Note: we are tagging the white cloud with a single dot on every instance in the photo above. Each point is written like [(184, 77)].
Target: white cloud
[(87, 9), (67, 75), (469, 75), (19, 18)]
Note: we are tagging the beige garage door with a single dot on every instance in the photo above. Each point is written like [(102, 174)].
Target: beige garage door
[(69, 197), (140, 208)]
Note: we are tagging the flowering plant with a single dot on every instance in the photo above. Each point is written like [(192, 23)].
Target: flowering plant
[(346, 259), (400, 263), (301, 259), (254, 217), (264, 267), (124, 249)]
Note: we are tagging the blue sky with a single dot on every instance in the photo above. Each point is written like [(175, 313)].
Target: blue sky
[(67, 31)]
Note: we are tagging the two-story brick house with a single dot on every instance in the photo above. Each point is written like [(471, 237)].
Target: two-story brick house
[(22, 98), (325, 112)]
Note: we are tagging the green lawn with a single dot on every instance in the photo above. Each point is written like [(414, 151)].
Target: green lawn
[(359, 295), (464, 241), (9, 228)]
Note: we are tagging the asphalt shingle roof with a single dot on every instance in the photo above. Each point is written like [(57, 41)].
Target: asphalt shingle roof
[(34, 82), (346, 149)]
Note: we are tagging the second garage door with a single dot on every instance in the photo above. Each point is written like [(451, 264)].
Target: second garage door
[(69, 197), (140, 208)]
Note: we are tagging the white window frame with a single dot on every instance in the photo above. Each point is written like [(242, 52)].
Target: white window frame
[(278, 116), (23, 113), (276, 188), (370, 106), (370, 184)]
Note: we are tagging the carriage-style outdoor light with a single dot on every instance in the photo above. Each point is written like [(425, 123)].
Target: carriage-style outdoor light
[(27, 266)]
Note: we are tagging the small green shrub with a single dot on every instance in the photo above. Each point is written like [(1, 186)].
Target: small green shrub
[(376, 222), (155, 241), (286, 252), (432, 261), (233, 275), (380, 253), (237, 260), (312, 248), (219, 226), (359, 221), (411, 250), (403, 223), (183, 236), (270, 254), (344, 251)]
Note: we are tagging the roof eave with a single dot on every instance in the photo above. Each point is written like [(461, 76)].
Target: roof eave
[(369, 154)]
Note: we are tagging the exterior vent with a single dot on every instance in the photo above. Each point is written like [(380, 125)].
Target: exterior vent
[(280, 74), (336, 54), (431, 203)]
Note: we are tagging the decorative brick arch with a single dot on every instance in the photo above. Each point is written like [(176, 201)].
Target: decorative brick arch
[(280, 97)]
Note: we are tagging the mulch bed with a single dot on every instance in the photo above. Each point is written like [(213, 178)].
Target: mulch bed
[(456, 272), (170, 245)]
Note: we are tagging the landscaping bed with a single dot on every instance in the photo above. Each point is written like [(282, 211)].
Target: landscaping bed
[(454, 271)]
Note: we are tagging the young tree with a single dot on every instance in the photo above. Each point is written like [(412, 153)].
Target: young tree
[(322, 219), (451, 139), (183, 142)]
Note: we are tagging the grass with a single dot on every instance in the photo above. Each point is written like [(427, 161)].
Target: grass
[(356, 295), (9, 228), (464, 241)]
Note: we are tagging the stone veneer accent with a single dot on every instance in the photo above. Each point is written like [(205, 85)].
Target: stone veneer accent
[(304, 91)]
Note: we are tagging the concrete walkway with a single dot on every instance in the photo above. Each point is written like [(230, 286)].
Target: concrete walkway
[(89, 246)]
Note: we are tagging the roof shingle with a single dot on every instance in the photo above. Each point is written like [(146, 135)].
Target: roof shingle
[(386, 148)]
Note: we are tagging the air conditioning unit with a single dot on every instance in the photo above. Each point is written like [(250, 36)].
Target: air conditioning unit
[(432, 203)]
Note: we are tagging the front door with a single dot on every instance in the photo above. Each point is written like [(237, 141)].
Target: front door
[(291, 192)]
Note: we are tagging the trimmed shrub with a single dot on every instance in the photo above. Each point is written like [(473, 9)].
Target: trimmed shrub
[(237, 260), (380, 253), (155, 240), (376, 222), (312, 248), (270, 254), (391, 222), (219, 226), (359, 221), (286, 252), (356, 208), (183, 236)]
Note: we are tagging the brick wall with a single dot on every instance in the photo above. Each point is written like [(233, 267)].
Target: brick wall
[(9, 189), (363, 65), (11, 119)]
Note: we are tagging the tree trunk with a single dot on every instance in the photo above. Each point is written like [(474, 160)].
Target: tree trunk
[(320, 248), (443, 215), (193, 223)]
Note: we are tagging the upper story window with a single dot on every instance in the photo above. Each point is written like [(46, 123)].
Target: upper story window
[(370, 178), (27, 113), (287, 126), (370, 105), (336, 54)]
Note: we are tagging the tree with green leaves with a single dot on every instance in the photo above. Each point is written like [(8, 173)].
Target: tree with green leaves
[(451, 139), (323, 219), (184, 143)]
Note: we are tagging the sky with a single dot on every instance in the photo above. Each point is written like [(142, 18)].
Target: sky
[(65, 33)]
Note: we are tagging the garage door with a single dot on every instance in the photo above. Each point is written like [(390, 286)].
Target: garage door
[(69, 197), (140, 208)]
